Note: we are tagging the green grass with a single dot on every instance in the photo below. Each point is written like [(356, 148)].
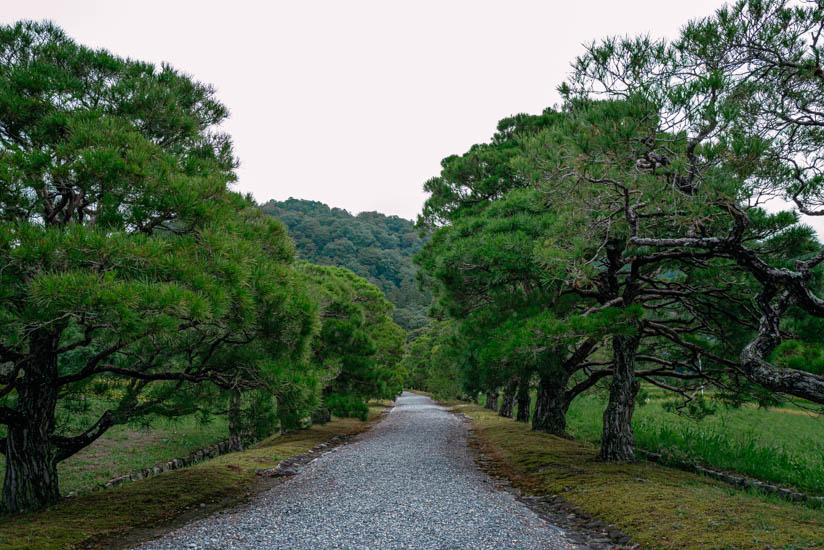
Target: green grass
[(79, 521), (123, 450), (659, 507), (770, 445), (783, 446)]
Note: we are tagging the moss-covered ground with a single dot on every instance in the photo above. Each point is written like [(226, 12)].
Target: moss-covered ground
[(78, 522), (658, 507)]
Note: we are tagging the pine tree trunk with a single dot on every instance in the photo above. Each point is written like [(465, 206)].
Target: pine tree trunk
[(475, 398), (523, 400), (508, 401), (30, 481), (492, 400), (617, 440), (551, 404), (321, 415), (235, 422)]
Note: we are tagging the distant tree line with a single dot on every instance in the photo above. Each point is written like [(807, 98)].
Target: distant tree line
[(633, 233), (135, 284), (379, 248)]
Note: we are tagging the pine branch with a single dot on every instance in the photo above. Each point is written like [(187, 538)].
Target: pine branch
[(67, 446)]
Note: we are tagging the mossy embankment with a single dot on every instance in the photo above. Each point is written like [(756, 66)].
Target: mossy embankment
[(659, 507), (83, 521)]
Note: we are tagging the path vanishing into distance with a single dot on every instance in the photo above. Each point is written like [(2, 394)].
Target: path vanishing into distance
[(409, 482)]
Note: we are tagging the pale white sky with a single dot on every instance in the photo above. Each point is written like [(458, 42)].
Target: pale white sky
[(354, 103)]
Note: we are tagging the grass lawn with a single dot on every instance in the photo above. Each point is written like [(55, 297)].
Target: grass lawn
[(659, 507), (780, 446), (784, 446), (123, 450), (220, 482)]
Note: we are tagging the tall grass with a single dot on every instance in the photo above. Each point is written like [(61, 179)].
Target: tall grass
[(769, 445)]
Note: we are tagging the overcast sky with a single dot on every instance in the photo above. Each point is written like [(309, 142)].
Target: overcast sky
[(354, 103)]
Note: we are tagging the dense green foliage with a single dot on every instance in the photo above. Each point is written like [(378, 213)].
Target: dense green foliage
[(623, 236), (358, 346), (379, 248), (133, 278), (430, 364), (620, 237)]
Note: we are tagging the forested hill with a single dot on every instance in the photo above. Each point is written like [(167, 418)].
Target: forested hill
[(374, 246)]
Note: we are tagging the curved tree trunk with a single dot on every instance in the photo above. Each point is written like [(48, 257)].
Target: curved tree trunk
[(508, 401), (523, 400), (492, 400), (617, 440), (551, 404), (30, 480), (754, 356)]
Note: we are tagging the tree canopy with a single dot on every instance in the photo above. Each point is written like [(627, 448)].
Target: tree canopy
[(130, 273), (644, 220), (376, 247), (359, 346)]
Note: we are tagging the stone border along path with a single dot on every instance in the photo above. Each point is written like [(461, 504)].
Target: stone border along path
[(206, 453), (742, 482), (581, 528), (409, 482)]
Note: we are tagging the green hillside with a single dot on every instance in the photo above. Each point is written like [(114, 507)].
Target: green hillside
[(374, 246)]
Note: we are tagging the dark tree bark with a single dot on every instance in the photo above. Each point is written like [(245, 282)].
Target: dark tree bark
[(782, 285), (492, 400), (30, 481), (617, 440), (754, 355), (551, 404), (508, 401), (523, 399), (235, 422), (321, 415)]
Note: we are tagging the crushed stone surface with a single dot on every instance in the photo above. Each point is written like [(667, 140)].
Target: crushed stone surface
[(410, 482)]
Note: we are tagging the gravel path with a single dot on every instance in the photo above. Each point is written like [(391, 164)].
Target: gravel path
[(410, 482)]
